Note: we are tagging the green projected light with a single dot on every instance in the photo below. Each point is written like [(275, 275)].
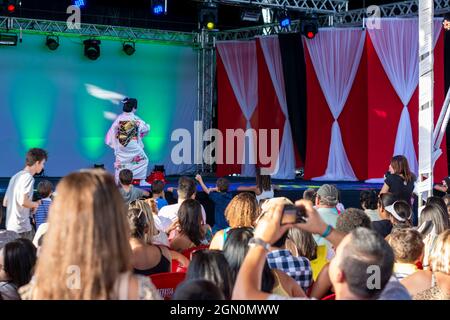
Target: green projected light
[(45, 99)]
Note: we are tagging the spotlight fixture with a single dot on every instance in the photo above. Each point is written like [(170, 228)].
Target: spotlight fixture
[(283, 19), (159, 7), (129, 48), (251, 15), (310, 28), (208, 15), (446, 22), (8, 39), (79, 3), (52, 42), (8, 6), (92, 48)]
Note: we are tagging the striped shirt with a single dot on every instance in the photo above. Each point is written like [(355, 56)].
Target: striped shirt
[(42, 212)]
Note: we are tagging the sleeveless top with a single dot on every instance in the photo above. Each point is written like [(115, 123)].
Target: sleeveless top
[(266, 194), (225, 234), (433, 293), (162, 266), (278, 288)]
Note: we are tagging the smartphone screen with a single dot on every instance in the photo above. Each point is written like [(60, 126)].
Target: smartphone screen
[(293, 214)]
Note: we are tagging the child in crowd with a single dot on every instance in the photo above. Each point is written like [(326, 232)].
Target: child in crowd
[(45, 190), (221, 198), (127, 190), (158, 194), (310, 194), (407, 245)]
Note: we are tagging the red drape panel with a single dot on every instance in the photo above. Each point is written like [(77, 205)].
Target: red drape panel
[(229, 116), (268, 114), (352, 121), (384, 109)]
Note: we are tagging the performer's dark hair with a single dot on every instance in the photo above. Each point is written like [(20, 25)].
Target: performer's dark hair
[(126, 177), (129, 104)]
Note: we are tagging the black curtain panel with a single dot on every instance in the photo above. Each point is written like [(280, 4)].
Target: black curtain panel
[(447, 84), (294, 68)]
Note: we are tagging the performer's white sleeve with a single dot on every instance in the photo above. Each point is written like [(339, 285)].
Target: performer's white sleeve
[(144, 128)]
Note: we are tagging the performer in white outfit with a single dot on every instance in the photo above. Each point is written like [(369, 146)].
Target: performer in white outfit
[(125, 137)]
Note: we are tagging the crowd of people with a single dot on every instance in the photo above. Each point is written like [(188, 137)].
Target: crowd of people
[(93, 239)]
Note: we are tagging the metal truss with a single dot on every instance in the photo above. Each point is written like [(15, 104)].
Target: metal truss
[(398, 9), (252, 32), (206, 54), (311, 6), (62, 28)]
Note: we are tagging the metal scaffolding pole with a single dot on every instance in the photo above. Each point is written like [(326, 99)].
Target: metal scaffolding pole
[(205, 47)]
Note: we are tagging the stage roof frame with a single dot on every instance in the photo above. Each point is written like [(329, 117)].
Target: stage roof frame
[(408, 8), (310, 6), (61, 28)]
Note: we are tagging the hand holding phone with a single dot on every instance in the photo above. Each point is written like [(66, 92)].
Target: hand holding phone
[(293, 214)]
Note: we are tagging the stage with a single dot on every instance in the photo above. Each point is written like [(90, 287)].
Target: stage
[(292, 189)]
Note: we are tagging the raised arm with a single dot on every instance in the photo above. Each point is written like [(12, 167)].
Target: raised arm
[(202, 184), (248, 281)]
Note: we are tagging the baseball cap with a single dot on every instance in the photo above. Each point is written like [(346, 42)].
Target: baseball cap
[(328, 194)]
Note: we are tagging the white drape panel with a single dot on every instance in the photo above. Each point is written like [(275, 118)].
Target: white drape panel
[(397, 45), (285, 166), (241, 65), (335, 55)]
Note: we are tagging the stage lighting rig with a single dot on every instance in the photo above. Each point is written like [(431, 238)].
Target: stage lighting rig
[(283, 19), (52, 42), (310, 28), (8, 39), (250, 15), (129, 48), (159, 7), (80, 3), (208, 15), (92, 48), (446, 22), (9, 7)]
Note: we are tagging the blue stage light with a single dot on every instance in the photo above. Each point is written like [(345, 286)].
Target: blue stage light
[(286, 22), (159, 7), (80, 3), (283, 19)]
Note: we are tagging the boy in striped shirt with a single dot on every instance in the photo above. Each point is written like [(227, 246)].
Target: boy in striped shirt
[(45, 190)]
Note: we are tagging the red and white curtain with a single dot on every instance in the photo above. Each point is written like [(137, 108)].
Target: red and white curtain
[(239, 59), (335, 55), (246, 64), (285, 166), (397, 46), (362, 99)]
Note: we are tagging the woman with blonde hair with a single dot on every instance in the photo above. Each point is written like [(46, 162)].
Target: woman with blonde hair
[(150, 244), (433, 284), (149, 207), (241, 212), (86, 254)]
